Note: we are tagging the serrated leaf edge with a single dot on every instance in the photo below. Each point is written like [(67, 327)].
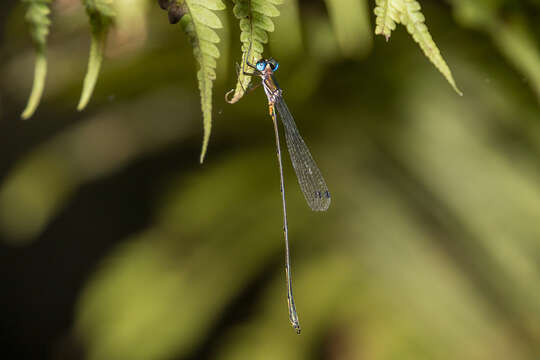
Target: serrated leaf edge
[(249, 43), (204, 78), (407, 12)]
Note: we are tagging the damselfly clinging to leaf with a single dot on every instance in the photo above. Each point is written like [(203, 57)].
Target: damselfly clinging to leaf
[(309, 176)]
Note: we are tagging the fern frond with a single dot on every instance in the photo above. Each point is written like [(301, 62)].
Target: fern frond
[(255, 23), (198, 24), (407, 12), (386, 17), (101, 15), (413, 19), (37, 16)]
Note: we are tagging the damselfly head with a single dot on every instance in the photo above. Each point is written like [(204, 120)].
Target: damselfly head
[(261, 65), (273, 64)]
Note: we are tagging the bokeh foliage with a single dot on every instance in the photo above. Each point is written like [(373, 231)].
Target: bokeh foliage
[(430, 248), (199, 22)]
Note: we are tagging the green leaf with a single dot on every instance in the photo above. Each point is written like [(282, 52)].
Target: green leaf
[(386, 17), (101, 15), (255, 21), (350, 20), (407, 12), (518, 44), (286, 42), (198, 24), (40, 73), (510, 33), (37, 16)]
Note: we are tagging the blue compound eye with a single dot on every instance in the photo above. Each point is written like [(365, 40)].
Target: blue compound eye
[(261, 64), (273, 64)]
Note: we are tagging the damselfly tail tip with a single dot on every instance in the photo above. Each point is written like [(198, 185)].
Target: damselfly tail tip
[(295, 324), (293, 316)]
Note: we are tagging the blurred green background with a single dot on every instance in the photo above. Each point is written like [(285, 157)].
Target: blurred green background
[(117, 244)]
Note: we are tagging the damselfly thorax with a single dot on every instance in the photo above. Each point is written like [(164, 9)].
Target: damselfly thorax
[(271, 88)]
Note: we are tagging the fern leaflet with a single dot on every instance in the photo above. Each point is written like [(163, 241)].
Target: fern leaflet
[(255, 23), (101, 15), (407, 12), (198, 23), (37, 16)]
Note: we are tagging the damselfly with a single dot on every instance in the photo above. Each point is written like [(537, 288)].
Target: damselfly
[(309, 176)]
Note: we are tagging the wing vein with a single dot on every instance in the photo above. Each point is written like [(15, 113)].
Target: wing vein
[(309, 176)]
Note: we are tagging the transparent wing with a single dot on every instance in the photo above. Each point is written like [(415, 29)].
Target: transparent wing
[(309, 176)]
